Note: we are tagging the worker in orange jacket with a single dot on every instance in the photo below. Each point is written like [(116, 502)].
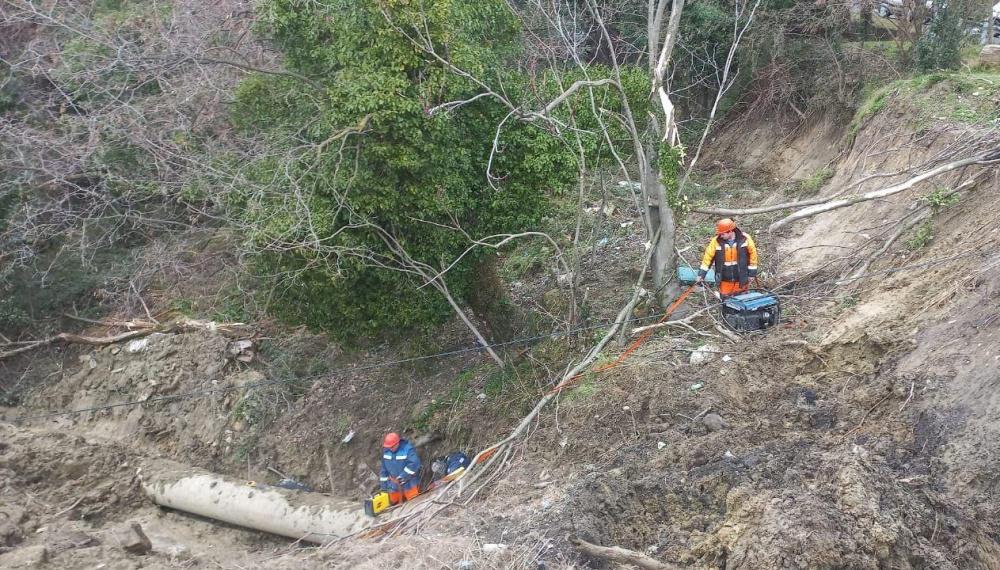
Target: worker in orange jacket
[(734, 256)]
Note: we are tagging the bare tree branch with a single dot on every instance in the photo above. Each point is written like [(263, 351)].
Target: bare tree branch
[(986, 158)]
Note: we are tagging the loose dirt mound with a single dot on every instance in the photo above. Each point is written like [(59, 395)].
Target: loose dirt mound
[(782, 482), (155, 367)]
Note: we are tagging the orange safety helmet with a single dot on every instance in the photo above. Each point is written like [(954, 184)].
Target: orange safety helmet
[(725, 225), (391, 440)]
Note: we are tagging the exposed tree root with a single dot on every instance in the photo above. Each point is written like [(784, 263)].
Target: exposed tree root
[(620, 555)]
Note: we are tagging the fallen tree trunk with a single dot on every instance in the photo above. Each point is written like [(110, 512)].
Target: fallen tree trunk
[(986, 158), (982, 158), (760, 209), (75, 339), (311, 517), (923, 214), (70, 338), (620, 555)]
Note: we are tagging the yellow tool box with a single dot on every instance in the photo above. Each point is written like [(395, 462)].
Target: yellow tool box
[(377, 503)]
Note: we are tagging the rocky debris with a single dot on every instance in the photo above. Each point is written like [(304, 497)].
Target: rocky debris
[(824, 419), (241, 350), (714, 422), (25, 557), (494, 548), (131, 539), (990, 55), (565, 279), (806, 399), (69, 540), (11, 518)]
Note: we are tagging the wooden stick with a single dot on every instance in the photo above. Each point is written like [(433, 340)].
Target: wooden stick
[(870, 410), (66, 510), (728, 334), (908, 398), (985, 158), (125, 324), (620, 555)]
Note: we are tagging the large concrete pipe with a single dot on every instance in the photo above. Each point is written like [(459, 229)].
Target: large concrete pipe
[(300, 515)]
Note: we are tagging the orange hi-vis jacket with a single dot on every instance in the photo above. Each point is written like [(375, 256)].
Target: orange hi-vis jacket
[(735, 263)]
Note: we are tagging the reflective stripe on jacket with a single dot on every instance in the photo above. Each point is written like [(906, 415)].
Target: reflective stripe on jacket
[(456, 460), (735, 262), (402, 464)]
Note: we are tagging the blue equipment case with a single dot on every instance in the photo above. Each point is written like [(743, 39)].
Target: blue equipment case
[(751, 311), (688, 275)]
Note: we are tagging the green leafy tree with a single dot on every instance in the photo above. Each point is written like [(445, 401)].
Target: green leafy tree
[(941, 46), (372, 194)]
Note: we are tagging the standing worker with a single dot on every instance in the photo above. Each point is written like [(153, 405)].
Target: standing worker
[(734, 255), (400, 469)]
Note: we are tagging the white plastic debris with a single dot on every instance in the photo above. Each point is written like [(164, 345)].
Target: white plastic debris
[(696, 386), (703, 354), (348, 437), (661, 444)]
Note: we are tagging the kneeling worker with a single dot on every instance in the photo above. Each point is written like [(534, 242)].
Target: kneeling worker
[(400, 469), (734, 256)]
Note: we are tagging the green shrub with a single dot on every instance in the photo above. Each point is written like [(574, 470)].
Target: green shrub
[(922, 236), (871, 106), (941, 46), (812, 185), (940, 199), (13, 316), (397, 172)]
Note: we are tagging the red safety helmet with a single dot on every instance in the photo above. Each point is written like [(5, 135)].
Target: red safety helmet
[(725, 225), (391, 440)]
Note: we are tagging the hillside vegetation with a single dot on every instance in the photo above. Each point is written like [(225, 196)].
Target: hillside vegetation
[(254, 237)]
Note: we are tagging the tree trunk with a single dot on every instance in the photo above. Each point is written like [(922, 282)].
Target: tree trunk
[(490, 303), (443, 289), (661, 217)]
